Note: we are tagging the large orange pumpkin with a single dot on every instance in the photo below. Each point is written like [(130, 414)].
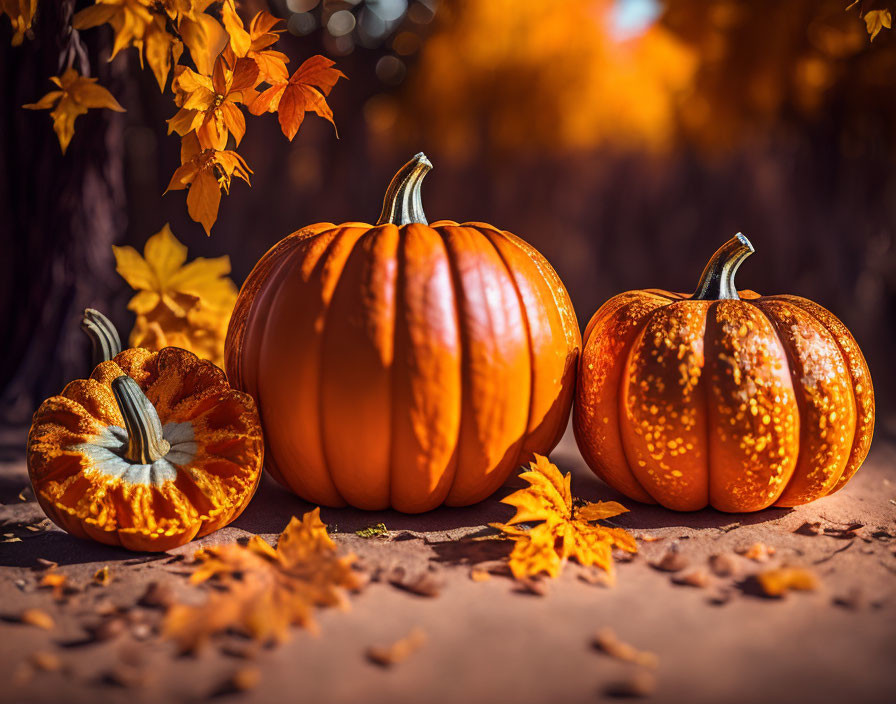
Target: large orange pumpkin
[(153, 450), (403, 364), (722, 398)]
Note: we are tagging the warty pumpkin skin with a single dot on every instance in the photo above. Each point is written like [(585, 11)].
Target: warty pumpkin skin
[(724, 398), (151, 451), (404, 364)]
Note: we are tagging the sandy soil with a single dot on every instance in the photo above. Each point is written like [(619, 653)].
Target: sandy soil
[(485, 641)]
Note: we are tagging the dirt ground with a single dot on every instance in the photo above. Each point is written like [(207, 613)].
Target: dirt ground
[(485, 641)]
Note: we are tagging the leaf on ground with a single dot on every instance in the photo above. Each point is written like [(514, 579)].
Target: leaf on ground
[(778, 582), (76, 94), (102, 576), (565, 531), (37, 618), (374, 531), (399, 651), (758, 552), (55, 581), (265, 590), (609, 643)]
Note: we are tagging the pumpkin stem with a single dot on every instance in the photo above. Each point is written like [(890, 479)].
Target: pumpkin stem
[(717, 279), (402, 204), (146, 444), (104, 340)]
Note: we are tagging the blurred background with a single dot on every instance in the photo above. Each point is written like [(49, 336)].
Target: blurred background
[(625, 139)]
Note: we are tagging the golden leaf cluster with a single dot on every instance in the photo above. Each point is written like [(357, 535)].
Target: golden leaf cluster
[(565, 530), (21, 15), (233, 68), (178, 303), (76, 94), (265, 590)]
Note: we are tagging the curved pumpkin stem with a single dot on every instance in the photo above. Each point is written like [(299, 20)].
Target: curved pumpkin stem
[(717, 280), (402, 204), (104, 340), (146, 444)]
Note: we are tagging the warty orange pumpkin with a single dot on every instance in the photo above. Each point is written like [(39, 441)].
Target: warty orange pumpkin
[(154, 449), (404, 364), (723, 398)]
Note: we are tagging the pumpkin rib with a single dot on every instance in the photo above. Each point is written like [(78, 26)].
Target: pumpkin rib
[(806, 411), (356, 369), (528, 334), (548, 279), (860, 376), (424, 459), (489, 405), (664, 429), (754, 457)]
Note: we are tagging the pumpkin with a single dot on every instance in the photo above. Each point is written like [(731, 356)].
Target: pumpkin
[(722, 398), (403, 364), (154, 449)]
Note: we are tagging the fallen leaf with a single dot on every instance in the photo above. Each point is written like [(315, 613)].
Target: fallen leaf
[(244, 679), (264, 590), (76, 95), (564, 531), (102, 576), (399, 651), (758, 552), (777, 582), (374, 531), (55, 581), (608, 642), (45, 660), (649, 538), (37, 618), (477, 574)]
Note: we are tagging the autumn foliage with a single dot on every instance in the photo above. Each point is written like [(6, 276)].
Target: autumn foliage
[(233, 69), (265, 590), (565, 528)]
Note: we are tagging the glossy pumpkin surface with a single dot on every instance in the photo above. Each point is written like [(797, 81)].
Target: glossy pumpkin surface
[(724, 398), (189, 469), (404, 364)]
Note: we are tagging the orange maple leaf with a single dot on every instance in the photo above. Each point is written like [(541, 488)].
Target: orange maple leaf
[(265, 589), (206, 172), (271, 63), (209, 105), (564, 531), (21, 16), (75, 96), (305, 90)]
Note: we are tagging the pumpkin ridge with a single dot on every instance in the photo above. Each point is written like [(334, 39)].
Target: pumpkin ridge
[(800, 395), (398, 296), (370, 257), (857, 452), (525, 317), (620, 415)]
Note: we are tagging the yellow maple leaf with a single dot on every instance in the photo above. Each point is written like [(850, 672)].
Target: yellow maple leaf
[(206, 172), (564, 530), (75, 96), (178, 303), (128, 19), (265, 590), (263, 32), (21, 15), (209, 105)]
